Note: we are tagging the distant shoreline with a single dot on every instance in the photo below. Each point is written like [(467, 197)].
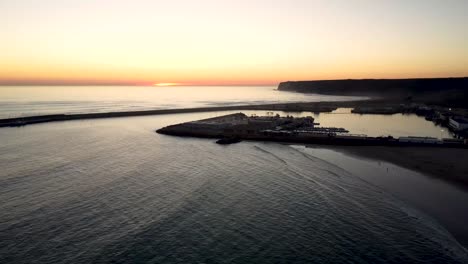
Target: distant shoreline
[(451, 92)]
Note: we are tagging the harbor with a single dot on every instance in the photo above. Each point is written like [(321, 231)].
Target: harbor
[(449, 119), (239, 126)]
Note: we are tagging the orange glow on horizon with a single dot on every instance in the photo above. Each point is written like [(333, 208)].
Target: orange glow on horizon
[(167, 84)]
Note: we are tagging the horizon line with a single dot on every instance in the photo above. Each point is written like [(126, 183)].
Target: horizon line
[(120, 84), (2, 84)]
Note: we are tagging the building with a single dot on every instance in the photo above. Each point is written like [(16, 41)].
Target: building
[(458, 123)]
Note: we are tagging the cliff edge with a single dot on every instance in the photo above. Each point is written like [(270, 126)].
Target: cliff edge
[(442, 91)]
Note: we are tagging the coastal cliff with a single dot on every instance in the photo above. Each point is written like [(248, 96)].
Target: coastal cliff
[(446, 91)]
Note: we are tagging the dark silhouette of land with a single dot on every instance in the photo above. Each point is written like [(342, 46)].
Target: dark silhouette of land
[(441, 91)]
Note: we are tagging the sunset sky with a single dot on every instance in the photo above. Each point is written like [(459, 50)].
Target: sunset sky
[(218, 42)]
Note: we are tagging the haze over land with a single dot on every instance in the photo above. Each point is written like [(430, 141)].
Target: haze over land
[(211, 42)]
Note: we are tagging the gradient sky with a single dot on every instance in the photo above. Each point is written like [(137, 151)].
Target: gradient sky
[(229, 42)]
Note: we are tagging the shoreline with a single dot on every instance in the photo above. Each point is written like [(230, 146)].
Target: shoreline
[(448, 164), (437, 197), (437, 169)]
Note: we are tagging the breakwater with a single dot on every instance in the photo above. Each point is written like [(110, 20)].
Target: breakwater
[(291, 107)]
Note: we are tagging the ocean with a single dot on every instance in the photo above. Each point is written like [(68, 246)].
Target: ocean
[(39, 100), (114, 191)]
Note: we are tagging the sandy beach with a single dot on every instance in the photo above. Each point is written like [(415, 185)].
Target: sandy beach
[(444, 163)]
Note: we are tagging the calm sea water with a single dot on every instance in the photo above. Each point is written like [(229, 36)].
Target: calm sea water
[(35, 100), (113, 191)]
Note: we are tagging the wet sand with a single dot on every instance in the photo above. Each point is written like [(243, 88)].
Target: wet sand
[(441, 201), (443, 163)]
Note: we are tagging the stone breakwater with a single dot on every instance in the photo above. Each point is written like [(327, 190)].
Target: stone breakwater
[(291, 107)]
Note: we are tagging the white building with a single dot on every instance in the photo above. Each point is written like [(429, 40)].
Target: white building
[(458, 123)]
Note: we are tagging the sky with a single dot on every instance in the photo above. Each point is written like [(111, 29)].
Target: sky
[(238, 42)]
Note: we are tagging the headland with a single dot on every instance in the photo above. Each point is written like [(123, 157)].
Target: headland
[(451, 92)]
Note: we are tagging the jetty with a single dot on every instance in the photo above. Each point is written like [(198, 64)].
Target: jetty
[(318, 107)]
